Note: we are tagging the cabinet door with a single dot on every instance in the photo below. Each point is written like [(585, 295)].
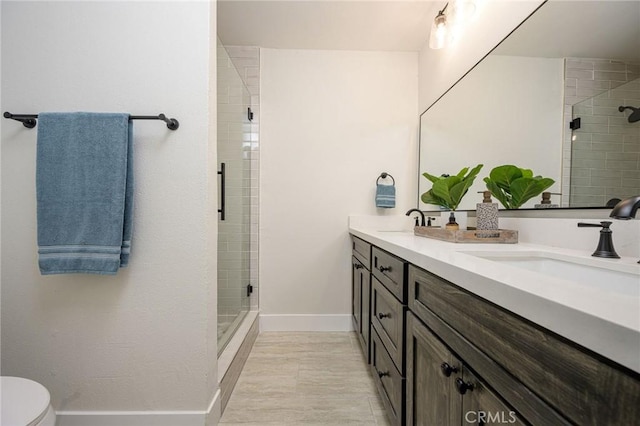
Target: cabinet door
[(361, 305), (356, 294), (432, 398), (365, 317), (480, 406)]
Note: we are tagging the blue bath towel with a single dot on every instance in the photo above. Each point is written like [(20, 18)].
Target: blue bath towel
[(385, 196), (84, 186)]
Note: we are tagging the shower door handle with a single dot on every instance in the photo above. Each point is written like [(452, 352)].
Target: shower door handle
[(221, 172)]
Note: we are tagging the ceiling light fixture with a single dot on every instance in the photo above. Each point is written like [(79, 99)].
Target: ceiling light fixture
[(448, 24), (438, 38)]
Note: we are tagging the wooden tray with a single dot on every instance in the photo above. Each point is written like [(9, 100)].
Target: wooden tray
[(501, 236)]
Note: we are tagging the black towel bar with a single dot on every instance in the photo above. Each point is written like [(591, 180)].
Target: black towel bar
[(29, 120)]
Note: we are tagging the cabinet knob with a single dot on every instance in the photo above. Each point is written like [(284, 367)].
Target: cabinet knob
[(384, 268), (382, 316), (462, 386), (447, 369), (358, 266)]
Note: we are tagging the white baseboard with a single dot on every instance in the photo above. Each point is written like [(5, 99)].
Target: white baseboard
[(130, 418), (302, 322), (137, 418)]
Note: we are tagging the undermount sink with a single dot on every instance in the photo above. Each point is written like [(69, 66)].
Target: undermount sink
[(603, 274)]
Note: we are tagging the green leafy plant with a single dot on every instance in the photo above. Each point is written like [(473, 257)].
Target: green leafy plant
[(513, 186), (447, 191)]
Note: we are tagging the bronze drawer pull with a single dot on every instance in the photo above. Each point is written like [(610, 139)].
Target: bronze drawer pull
[(382, 374), (447, 369), (462, 386), (384, 268), (358, 266), (382, 316)]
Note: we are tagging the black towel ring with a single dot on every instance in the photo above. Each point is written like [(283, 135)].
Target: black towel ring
[(385, 175)]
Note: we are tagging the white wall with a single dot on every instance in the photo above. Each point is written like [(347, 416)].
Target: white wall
[(493, 21), (144, 339), (477, 120), (332, 121)]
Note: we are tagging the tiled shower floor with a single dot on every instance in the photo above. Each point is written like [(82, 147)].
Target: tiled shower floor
[(305, 379)]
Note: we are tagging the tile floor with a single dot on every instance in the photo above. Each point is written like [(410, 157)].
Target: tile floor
[(307, 379)]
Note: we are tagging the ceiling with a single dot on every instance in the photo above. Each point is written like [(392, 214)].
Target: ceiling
[(561, 28), (580, 29), (399, 25)]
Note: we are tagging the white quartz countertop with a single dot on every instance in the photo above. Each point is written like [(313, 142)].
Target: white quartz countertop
[(606, 322)]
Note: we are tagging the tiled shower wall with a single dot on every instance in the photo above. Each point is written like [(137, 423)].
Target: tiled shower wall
[(247, 62), (603, 160)]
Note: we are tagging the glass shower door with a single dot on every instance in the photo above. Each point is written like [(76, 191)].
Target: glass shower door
[(234, 220)]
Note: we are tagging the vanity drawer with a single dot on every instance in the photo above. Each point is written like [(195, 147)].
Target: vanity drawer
[(388, 317), (580, 385), (388, 380), (390, 271), (362, 251)]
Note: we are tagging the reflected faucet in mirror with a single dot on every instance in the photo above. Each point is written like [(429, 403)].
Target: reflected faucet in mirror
[(626, 209), (635, 113)]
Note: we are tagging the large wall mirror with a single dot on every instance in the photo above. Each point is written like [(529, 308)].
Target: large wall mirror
[(568, 60)]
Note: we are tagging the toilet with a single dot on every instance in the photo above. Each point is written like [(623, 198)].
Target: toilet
[(25, 403)]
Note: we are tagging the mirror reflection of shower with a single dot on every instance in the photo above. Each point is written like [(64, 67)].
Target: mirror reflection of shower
[(635, 113), (605, 146)]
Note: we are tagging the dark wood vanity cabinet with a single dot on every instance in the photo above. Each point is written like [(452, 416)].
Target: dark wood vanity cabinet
[(361, 292), (540, 376), (441, 355)]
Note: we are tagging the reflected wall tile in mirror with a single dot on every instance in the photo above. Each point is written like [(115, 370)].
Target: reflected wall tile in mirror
[(601, 119)]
